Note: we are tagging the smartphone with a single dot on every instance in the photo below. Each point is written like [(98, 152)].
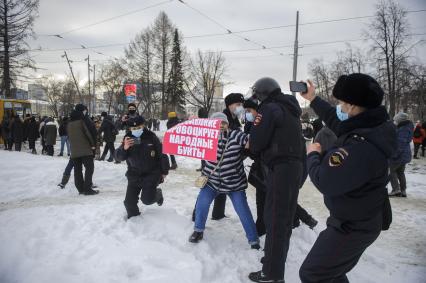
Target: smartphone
[(136, 140), (298, 87)]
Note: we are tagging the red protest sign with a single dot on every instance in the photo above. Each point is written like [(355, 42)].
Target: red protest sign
[(130, 92), (196, 138)]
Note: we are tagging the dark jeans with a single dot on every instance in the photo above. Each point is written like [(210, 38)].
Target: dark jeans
[(31, 144), (49, 149), (416, 149), (283, 182), (136, 183), (397, 177), (18, 146), (336, 252), (83, 184), (68, 169), (172, 159), (109, 146)]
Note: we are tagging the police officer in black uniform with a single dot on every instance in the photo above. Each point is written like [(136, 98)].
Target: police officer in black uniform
[(352, 176), (277, 135), (147, 166)]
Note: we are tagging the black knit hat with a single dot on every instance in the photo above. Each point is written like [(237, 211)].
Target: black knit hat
[(80, 107), (234, 98), (104, 114), (136, 121), (131, 104), (358, 89), (250, 103)]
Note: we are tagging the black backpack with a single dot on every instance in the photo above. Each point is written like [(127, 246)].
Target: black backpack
[(417, 132)]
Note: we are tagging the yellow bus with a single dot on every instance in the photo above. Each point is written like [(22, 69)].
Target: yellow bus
[(15, 107)]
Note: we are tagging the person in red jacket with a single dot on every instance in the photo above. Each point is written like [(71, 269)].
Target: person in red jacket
[(419, 135)]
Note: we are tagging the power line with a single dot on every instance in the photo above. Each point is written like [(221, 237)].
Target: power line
[(225, 28), (112, 18)]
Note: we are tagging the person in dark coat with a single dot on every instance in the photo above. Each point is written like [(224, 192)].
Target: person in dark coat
[(109, 134), (171, 122), (64, 136), (276, 135), (82, 135), (50, 134), (26, 122), (352, 176), (424, 140), (147, 166), (402, 155), (5, 132), (132, 113), (33, 134), (17, 132)]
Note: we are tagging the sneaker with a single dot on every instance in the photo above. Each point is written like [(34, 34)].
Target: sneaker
[(403, 194), (61, 186), (255, 247), (110, 160), (94, 187), (91, 192), (218, 217), (160, 198), (196, 237), (260, 277), (311, 223), (198, 170), (173, 167)]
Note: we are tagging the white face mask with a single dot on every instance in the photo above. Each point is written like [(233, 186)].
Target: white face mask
[(249, 117), (137, 133)]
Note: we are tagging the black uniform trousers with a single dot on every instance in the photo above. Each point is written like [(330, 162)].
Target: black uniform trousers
[(109, 146), (83, 184), (148, 184), (283, 182), (338, 249)]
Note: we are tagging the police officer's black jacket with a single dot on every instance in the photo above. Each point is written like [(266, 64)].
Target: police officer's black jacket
[(277, 133), (144, 158), (353, 174)]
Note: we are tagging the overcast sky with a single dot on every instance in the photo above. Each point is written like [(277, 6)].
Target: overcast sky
[(244, 67)]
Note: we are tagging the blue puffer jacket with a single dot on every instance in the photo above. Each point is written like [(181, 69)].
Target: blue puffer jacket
[(404, 136)]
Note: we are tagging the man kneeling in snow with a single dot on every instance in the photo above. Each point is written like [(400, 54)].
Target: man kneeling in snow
[(146, 165)]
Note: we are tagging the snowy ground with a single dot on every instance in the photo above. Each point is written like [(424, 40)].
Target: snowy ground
[(52, 235)]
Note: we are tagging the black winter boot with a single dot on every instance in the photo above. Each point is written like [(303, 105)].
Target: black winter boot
[(159, 197), (260, 277), (65, 179), (196, 237)]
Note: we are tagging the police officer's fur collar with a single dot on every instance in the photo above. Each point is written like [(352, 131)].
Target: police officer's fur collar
[(370, 118)]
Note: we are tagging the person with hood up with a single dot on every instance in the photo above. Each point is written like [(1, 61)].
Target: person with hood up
[(352, 176), (402, 155), (82, 137), (226, 176), (109, 134), (172, 121), (50, 134), (147, 166), (276, 135)]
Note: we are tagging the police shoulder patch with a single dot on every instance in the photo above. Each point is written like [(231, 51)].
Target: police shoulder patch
[(258, 119), (337, 158)]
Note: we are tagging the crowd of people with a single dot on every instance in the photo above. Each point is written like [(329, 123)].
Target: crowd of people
[(356, 147)]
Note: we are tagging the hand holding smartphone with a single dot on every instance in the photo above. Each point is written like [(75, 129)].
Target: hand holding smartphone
[(301, 87)]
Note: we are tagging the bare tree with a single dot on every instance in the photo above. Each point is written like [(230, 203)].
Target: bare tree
[(388, 31), (112, 76), (16, 25), (206, 73), (163, 31), (54, 90), (321, 77)]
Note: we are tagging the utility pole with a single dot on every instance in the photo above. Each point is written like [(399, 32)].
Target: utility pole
[(296, 47), (93, 89), (88, 76), (72, 74)]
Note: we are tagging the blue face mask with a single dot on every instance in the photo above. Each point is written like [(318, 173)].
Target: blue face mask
[(249, 117), (137, 133), (342, 116)]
